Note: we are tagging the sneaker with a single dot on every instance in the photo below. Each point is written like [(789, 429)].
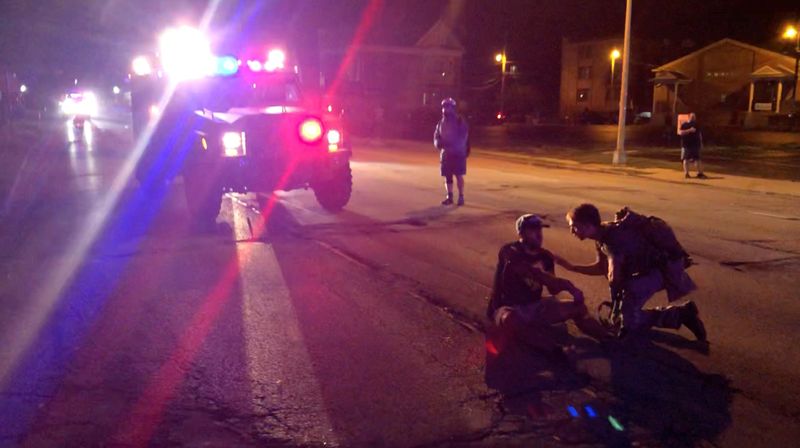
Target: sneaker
[(687, 175), (460, 200), (447, 201), (690, 318), (701, 176)]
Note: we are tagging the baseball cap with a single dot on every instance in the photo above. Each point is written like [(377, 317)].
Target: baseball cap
[(530, 220)]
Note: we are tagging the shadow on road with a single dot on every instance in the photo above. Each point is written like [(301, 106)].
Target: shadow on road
[(640, 394)]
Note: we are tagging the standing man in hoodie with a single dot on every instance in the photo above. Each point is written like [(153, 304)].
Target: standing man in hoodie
[(451, 137)]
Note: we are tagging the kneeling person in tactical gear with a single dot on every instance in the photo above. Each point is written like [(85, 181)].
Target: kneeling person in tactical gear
[(516, 304), (636, 268)]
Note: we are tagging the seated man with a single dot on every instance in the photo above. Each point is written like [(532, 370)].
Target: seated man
[(524, 268)]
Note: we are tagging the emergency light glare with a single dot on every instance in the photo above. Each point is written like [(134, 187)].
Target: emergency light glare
[(310, 130), (276, 59), (227, 65), (186, 54), (141, 66), (254, 65)]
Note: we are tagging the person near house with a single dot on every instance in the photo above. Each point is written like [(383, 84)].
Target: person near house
[(451, 138), (691, 144), (516, 306), (636, 270)]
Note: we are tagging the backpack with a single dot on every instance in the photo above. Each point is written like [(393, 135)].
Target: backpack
[(658, 234)]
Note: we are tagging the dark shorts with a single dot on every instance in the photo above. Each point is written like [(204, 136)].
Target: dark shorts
[(690, 154), (453, 165)]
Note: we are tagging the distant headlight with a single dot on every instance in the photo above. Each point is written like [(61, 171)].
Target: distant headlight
[(141, 66), (234, 144)]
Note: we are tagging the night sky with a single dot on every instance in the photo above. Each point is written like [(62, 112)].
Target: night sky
[(97, 38)]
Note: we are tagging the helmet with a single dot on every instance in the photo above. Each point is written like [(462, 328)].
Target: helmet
[(530, 221), (448, 102)]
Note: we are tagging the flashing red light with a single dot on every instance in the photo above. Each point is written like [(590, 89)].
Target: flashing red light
[(310, 130), (499, 116)]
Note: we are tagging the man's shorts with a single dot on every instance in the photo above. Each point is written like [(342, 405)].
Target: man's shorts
[(453, 165), (690, 154)]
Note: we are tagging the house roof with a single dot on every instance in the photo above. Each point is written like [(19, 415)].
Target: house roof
[(773, 72), (440, 35), (670, 77), (671, 65)]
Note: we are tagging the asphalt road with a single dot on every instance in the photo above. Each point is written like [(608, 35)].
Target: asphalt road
[(124, 326)]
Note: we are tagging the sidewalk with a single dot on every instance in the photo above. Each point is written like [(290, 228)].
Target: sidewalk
[(728, 181), (599, 160)]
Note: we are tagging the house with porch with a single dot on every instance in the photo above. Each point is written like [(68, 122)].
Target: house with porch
[(727, 83)]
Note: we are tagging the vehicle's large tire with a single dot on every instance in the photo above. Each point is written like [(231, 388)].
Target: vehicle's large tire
[(334, 193), (202, 199)]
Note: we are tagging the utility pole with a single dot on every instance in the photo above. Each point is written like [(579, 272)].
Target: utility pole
[(619, 154), (503, 83)]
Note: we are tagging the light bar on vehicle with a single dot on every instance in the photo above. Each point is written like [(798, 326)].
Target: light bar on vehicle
[(186, 54), (276, 60), (226, 65)]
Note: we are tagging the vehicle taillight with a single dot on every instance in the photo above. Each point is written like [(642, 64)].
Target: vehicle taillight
[(310, 130)]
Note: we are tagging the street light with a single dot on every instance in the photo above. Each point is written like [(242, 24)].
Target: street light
[(502, 60), (23, 88), (615, 54), (791, 33)]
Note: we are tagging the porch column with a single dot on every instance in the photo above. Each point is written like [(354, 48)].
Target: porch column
[(780, 97), (752, 91), (675, 103), (653, 110)]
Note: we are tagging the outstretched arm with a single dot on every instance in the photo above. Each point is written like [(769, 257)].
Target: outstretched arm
[(554, 284), (596, 268)]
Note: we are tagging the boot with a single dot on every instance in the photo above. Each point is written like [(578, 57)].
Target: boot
[(448, 200), (690, 318), (460, 200)]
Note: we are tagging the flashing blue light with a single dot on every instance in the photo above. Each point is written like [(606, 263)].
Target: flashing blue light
[(227, 65), (590, 411), (572, 411)]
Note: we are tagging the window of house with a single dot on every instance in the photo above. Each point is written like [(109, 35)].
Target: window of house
[(585, 72), (585, 52), (583, 95)]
